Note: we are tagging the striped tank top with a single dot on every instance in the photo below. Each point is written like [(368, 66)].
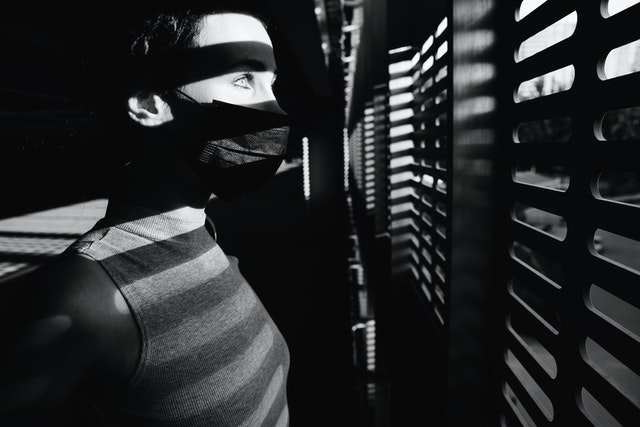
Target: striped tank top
[(210, 353)]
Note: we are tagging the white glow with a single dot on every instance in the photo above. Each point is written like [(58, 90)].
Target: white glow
[(441, 27), (306, 169), (444, 47), (402, 192), (401, 146), (402, 98), (551, 35), (427, 180), (403, 207), (347, 160), (400, 83), (400, 130), (528, 6), (399, 50), (623, 60), (403, 114), (401, 161), (400, 67), (617, 6), (415, 59), (427, 45), (402, 177), (404, 222), (427, 64)]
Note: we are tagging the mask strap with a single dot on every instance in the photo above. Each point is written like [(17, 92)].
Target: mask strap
[(187, 96)]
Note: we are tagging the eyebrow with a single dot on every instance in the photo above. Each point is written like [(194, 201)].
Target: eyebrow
[(253, 65)]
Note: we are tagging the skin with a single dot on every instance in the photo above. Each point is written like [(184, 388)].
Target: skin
[(67, 326)]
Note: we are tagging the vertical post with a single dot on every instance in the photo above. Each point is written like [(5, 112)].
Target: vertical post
[(475, 213)]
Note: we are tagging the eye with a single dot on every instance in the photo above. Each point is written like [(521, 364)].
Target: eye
[(245, 81)]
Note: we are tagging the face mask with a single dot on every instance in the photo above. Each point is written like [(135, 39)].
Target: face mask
[(236, 149)]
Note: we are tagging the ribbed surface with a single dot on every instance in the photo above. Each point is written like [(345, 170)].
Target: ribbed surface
[(211, 355)]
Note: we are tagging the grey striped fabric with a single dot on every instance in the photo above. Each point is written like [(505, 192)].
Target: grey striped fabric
[(211, 354)]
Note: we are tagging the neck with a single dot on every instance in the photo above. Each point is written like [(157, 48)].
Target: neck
[(160, 181)]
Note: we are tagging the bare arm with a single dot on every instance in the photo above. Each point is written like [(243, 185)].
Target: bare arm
[(67, 325)]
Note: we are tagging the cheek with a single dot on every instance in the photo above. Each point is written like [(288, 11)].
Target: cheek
[(208, 90)]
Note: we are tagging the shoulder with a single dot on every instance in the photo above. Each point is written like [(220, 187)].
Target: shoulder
[(74, 295), (73, 284)]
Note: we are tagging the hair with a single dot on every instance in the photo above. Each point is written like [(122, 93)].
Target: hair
[(178, 29), (150, 32)]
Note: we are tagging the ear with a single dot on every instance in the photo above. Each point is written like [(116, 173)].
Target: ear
[(149, 109)]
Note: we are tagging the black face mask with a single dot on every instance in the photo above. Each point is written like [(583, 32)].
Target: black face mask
[(234, 149)]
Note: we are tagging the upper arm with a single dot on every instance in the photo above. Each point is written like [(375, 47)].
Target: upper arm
[(56, 336)]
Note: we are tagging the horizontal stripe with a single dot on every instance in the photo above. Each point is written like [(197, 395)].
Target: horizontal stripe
[(215, 389), (147, 258), (215, 322), (165, 286), (258, 416)]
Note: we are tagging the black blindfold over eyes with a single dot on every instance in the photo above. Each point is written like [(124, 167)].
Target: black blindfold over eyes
[(179, 67)]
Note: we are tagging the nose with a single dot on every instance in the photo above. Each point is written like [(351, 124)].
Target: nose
[(267, 99)]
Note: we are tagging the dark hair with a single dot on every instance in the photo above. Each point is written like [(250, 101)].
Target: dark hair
[(151, 32), (176, 29)]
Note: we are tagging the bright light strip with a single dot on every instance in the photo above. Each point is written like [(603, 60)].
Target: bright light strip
[(400, 67), (403, 114), (399, 49), (402, 177), (402, 192), (400, 130), (427, 64), (400, 83), (415, 59), (444, 47), (427, 45), (403, 207), (347, 160), (402, 98), (401, 146), (441, 27), (401, 161), (427, 180), (306, 169)]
